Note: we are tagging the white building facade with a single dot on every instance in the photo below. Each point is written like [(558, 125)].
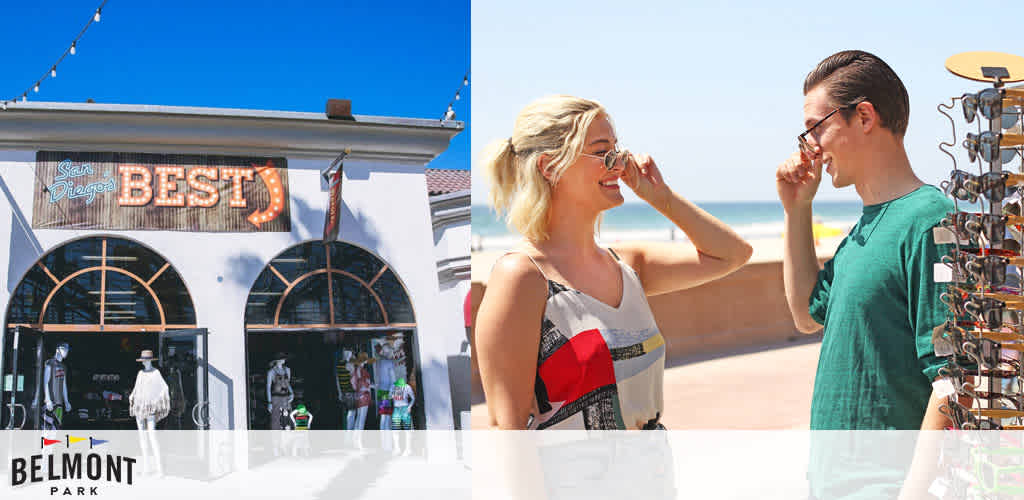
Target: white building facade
[(198, 233)]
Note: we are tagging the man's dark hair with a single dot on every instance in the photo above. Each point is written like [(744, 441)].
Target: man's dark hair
[(852, 76)]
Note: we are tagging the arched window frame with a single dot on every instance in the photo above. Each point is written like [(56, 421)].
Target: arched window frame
[(104, 267), (330, 270)]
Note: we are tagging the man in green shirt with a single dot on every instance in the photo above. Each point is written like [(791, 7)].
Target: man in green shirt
[(876, 298)]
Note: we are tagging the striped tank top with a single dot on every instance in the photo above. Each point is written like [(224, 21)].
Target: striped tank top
[(599, 367)]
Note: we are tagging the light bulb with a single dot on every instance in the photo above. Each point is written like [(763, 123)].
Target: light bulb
[(24, 97), (465, 80), (73, 48), (5, 105), (53, 72), (37, 88), (96, 18)]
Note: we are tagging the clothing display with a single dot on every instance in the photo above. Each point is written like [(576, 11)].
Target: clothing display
[(402, 399), (401, 418), (361, 380), (55, 389), (150, 397), (599, 367), (384, 368), (280, 385)]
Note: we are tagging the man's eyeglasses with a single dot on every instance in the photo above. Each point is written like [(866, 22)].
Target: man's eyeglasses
[(611, 157), (802, 138)]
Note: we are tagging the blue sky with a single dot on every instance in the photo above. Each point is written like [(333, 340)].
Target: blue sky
[(403, 58), (712, 90)]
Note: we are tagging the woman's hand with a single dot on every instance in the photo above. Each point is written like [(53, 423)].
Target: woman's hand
[(641, 174)]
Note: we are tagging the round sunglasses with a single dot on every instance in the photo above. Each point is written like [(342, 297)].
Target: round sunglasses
[(610, 158)]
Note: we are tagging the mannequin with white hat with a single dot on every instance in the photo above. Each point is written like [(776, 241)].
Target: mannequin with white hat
[(149, 403)]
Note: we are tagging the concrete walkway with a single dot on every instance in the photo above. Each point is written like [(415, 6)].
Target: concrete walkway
[(767, 389)]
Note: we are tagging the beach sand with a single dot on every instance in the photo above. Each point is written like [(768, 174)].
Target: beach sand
[(739, 364)]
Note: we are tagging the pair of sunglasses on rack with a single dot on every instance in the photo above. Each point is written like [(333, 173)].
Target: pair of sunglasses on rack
[(988, 353), (1015, 401), (994, 186), (957, 374), (970, 267), (988, 311), (992, 226), (990, 104), (988, 145), (983, 419)]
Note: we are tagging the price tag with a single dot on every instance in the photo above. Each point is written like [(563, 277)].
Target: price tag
[(943, 387), (944, 235), (942, 273), (939, 487)]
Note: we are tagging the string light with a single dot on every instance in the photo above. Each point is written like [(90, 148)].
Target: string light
[(449, 113), (71, 50)]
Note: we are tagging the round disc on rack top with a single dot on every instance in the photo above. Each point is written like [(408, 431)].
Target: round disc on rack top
[(969, 65)]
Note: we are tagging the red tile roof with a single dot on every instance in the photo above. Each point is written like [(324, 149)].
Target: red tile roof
[(447, 181)]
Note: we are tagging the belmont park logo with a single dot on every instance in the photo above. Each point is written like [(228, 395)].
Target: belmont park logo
[(68, 466)]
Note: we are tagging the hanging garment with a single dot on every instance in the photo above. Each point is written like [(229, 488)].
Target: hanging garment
[(362, 384), (302, 422), (177, 393), (150, 397), (281, 383)]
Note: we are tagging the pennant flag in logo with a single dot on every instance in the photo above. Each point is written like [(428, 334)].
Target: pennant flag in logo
[(73, 439), (96, 442), (48, 442)]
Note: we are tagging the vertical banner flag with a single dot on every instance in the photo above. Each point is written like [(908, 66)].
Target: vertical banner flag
[(332, 220)]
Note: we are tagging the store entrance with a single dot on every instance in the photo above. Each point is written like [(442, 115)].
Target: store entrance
[(325, 371), (99, 375)]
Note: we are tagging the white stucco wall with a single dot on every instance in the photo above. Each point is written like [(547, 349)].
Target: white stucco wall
[(385, 209)]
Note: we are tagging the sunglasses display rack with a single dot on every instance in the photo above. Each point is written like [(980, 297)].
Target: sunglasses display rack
[(983, 336)]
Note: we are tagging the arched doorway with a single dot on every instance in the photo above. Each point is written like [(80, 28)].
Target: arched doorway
[(320, 303), (107, 298)]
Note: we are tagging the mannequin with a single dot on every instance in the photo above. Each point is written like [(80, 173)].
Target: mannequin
[(301, 418), (149, 403), (279, 390), (343, 383), (55, 389), (361, 382), (384, 410), (397, 344), (384, 369), (403, 398)]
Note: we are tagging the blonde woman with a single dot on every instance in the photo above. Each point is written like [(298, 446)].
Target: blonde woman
[(565, 338)]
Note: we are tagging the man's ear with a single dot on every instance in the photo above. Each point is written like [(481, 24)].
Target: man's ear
[(866, 117)]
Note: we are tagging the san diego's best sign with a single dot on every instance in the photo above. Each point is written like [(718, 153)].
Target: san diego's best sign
[(139, 191)]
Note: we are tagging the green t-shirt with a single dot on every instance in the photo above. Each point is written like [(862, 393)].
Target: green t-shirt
[(879, 302)]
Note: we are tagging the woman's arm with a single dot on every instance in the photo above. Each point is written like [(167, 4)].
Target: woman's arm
[(666, 267), (508, 338)]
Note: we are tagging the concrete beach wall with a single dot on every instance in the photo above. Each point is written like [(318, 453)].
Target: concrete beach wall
[(745, 310)]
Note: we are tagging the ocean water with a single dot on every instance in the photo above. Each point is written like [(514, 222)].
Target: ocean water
[(639, 221)]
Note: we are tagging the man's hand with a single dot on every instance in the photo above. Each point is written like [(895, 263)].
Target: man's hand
[(797, 179)]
